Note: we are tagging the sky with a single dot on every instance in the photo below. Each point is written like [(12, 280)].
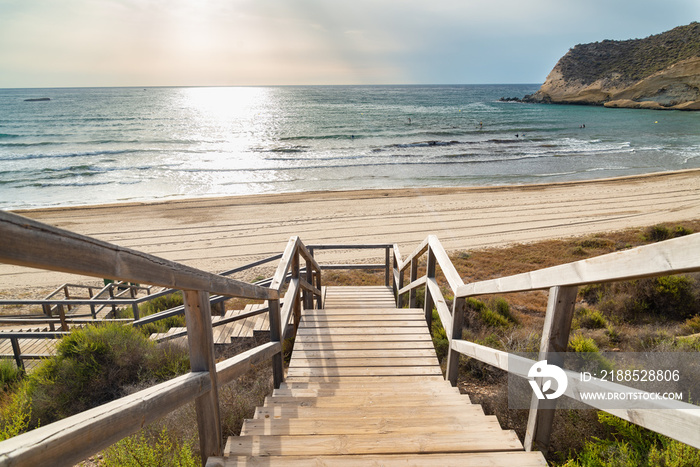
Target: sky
[(76, 43)]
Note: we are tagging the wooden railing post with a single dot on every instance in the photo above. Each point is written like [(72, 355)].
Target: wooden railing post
[(275, 336), (430, 274), (62, 317), (387, 267), (555, 338), (414, 276), (201, 344), (17, 353), (296, 309), (308, 296), (399, 298), (458, 306)]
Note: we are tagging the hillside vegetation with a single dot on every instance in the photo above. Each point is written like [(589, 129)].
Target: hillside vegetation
[(631, 60)]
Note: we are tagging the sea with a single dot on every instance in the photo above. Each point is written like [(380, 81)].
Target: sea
[(114, 145)]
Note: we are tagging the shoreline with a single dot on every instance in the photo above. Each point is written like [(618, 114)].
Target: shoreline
[(220, 233), (362, 193)]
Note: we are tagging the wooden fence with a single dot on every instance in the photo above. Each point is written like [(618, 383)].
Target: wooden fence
[(29, 243), (677, 420)]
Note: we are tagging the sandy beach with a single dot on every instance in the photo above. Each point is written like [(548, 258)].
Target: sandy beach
[(216, 234)]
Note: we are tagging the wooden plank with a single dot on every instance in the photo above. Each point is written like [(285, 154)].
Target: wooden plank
[(385, 323), (298, 362), (371, 444), (333, 353), (365, 391), (377, 345), (25, 242), (386, 401), (369, 371), (234, 367), (364, 338), (285, 263), (384, 330), (75, 438), (343, 413), (201, 347), (355, 382), (440, 305), (379, 311), (378, 425), (667, 257), (481, 459), (555, 339), (448, 269)]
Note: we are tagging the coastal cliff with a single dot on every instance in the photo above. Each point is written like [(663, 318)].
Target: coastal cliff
[(658, 72)]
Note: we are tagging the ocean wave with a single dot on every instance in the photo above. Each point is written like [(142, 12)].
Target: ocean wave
[(22, 157)]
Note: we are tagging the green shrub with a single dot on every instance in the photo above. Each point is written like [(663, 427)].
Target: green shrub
[(592, 319), (163, 303), (497, 315), (138, 451), (579, 343), (613, 335), (9, 373), (670, 296), (656, 233), (15, 414), (93, 365), (632, 445), (591, 360), (681, 231), (692, 325)]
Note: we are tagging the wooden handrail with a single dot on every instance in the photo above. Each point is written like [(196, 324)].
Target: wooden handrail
[(25, 242), (680, 421), (668, 257), (70, 440)]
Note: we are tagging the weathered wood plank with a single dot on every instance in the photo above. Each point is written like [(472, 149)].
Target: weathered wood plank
[(481, 459), (668, 257), (464, 424), (419, 322), (342, 413), (333, 353), (298, 362), (384, 330), (25, 242), (75, 438), (371, 444), (386, 400), (201, 347), (376, 345), (369, 371), (364, 338)]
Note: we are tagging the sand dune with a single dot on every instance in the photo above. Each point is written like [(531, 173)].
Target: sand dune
[(216, 234)]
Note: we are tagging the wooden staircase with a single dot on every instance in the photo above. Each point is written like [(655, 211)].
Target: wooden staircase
[(364, 387)]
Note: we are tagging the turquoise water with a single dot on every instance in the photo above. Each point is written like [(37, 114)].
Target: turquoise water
[(105, 145)]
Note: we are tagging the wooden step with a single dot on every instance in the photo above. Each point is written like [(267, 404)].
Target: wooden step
[(341, 413), (369, 425), (479, 459), (306, 445), (364, 387)]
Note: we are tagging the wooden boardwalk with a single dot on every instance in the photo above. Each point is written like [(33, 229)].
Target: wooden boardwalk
[(364, 387)]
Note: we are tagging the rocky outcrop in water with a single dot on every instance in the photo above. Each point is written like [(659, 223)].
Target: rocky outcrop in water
[(658, 72)]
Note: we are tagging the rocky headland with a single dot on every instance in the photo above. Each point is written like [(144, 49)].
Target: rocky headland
[(658, 72)]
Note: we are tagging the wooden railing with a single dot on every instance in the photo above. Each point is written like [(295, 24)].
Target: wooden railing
[(25, 242), (29, 243), (678, 420)]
